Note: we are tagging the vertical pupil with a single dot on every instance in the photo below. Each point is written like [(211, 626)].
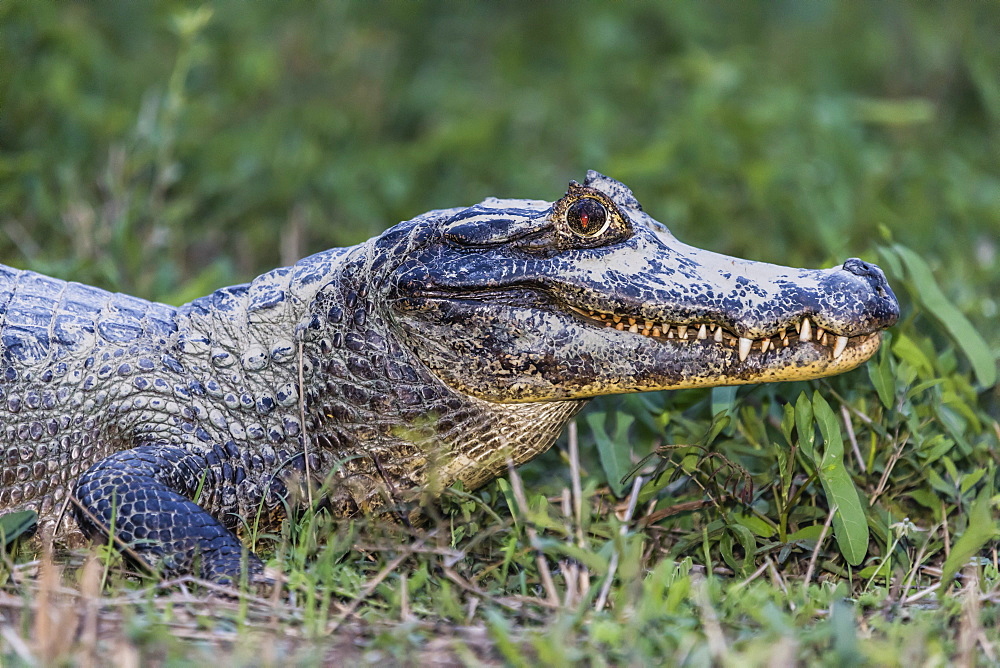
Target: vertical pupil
[(586, 217)]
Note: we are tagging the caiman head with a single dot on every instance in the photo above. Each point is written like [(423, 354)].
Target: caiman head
[(523, 300)]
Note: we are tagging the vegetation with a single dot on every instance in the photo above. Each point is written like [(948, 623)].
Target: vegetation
[(166, 149)]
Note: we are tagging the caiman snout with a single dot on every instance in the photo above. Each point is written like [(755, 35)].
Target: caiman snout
[(523, 300), (884, 306)]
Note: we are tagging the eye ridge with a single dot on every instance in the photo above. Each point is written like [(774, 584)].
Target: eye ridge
[(588, 217)]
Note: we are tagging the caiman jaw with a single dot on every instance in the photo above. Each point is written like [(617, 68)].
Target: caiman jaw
[(804, 331), (517, 301)]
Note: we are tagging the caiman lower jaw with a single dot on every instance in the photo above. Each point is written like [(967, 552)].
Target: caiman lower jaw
[(804, 331)]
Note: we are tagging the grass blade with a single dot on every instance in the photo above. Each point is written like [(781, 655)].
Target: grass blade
[(13, 525), (982, 528), (614, 450)]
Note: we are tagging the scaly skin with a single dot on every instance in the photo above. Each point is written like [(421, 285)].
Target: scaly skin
[(428, 355)]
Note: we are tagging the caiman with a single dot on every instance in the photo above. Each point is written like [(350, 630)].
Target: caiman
[(434, 353)]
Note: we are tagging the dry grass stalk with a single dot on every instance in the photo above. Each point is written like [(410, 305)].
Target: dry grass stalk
[(852, 438), (54, 613), (543, 566), (616, 555), (819, 544)]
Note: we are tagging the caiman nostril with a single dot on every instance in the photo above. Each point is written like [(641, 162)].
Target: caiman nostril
[(861, 268), (886, 308), (874, 275)]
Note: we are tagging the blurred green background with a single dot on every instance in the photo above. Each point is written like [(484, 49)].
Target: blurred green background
[(168, 148)]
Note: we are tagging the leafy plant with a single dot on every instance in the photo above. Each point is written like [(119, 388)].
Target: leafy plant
[(165, 151)]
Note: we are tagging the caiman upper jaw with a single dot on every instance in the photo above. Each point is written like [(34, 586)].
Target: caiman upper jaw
[(880, 307)]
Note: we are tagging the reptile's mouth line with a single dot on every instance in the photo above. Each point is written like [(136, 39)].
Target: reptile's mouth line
[(804, 331)]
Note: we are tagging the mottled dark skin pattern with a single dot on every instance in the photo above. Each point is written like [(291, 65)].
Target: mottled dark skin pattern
[(434, 353)]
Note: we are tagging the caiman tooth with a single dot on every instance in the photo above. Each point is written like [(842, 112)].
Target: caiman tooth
[(839, 346), (631, 321), (634, 328), (682, 331), (744, 348), (702, 333), (617, 318), (620, 326), (656, 331), (648, 324), (805, 334), (764, 345), (669, 331), (718, 335), (781, 333), (820, 335), (784, 342)]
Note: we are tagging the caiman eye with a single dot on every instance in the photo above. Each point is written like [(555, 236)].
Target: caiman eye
[(587, 217)]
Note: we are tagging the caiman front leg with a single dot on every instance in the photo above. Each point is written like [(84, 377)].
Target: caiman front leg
[(144, 496)]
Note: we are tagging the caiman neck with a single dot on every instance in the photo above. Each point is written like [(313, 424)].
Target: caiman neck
[(386, 424)]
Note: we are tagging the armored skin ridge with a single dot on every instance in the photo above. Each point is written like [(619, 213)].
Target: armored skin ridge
[(364, 377)]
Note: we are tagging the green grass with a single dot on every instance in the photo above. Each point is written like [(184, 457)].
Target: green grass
[(164, 150)]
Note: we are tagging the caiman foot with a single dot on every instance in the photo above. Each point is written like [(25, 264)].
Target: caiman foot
[(142, 499)]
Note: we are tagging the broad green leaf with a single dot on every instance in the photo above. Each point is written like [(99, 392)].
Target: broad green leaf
[(13, 525), (724, 399), (935, 447), (726, 550), (883, 569), (982, 528), (951, 469), (927, 498), (508, 496), (954, 424), (937, 482), (719, 423), (811, 532), (788, 423), (781, 455), (829, 427), (949, 318), (907, 350), (614, 450), (970, 479), (917, 389), (850, 526), (955, 401), (749, 545), (755, 524), (890, 261), (753, 427), (804, 425), (747, 542), (880, 373)]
